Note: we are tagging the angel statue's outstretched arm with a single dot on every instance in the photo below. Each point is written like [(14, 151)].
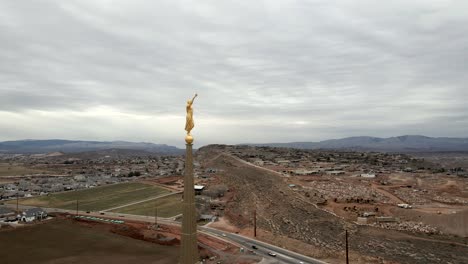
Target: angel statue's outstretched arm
[(195, 96)]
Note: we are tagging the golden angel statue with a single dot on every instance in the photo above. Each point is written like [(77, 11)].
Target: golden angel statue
[(189, 124)]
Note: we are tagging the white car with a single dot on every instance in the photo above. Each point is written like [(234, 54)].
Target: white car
[(272, 254)]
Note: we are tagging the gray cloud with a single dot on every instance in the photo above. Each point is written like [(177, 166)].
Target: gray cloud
[(265, 70)]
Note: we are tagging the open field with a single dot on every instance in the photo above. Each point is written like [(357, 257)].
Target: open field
[(7, 169), (62, 241), (99, 198), (167, 207)]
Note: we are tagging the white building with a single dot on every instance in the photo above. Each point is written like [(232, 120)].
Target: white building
[(198, 189), (33, 214), (406, 206)]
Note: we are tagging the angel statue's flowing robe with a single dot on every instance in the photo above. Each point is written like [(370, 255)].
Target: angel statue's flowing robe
[(189, 124)]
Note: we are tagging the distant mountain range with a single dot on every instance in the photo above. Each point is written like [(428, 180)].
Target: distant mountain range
[(73, 146), (408, 143)]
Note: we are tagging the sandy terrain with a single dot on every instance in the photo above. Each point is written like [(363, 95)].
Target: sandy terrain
[(288, 213)]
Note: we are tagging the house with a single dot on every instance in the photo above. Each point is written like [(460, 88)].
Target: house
[(283, 162), (32, 214), (408, 169), (217, 204), (198, 189), (207, 217), (304, 172), (367, 214), (10, 187), (405, 206), (335, 172), (8, 195), (80, 178), (259, 162), (254, 160), (7, 214)]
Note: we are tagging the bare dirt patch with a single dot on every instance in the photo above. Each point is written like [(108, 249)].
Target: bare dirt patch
[(63, 241)]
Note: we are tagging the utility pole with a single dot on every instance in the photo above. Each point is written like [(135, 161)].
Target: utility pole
[(156, 215), (347, 259), (255, 222), (17, 202)]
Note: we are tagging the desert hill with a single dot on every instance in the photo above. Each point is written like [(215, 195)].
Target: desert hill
[(290, 217), (407, 143), (73, 146)]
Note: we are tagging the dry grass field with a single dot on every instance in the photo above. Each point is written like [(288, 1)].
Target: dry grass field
[(167, 207), (62, 241), (99, 198), (7, 169)]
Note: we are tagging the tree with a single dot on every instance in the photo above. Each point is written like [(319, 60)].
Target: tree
[(216, 191)]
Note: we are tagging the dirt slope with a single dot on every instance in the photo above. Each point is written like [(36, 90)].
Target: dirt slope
[(287, 212)]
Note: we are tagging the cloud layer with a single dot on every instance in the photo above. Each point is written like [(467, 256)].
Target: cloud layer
[(266, 71)]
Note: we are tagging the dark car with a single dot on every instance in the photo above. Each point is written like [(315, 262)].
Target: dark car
[(254, 247)]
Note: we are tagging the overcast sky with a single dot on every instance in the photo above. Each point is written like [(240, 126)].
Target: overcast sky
[(265, 71)]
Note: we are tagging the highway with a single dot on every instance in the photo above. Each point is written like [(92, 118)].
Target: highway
[(282, 255)]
